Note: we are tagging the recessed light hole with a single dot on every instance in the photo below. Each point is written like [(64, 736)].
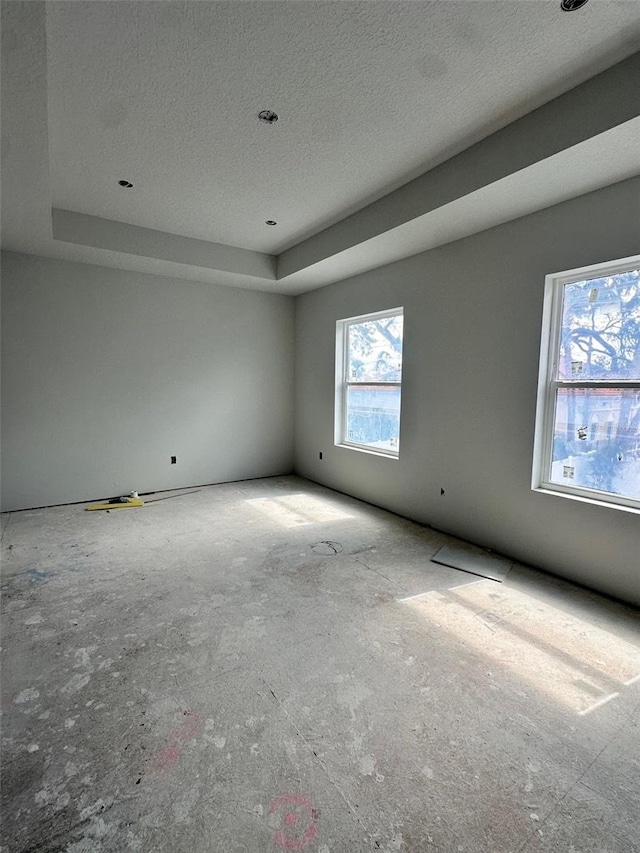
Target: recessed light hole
[(572, 5), (124, 183), (270, 222), (268, 116)]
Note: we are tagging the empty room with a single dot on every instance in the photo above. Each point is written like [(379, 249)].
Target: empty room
[(320, 426)]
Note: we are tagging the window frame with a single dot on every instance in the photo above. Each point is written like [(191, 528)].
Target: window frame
[(343, 383), (548, 384)]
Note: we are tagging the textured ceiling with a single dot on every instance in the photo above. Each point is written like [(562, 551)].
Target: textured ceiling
[(370, 95)]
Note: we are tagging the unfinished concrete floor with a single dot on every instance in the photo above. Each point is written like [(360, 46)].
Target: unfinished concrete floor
[(269, 665)]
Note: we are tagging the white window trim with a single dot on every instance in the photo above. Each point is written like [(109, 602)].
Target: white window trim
[(342, 383), (548, 384)]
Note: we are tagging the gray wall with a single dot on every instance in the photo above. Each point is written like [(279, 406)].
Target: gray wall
[(472, 333), (107, 373)]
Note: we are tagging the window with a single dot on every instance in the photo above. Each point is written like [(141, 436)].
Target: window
[(368, 382), (587, 440)]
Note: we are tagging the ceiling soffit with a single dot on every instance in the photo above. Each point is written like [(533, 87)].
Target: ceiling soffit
[(495, 179)]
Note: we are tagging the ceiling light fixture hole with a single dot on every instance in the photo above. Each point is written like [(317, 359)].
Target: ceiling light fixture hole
[(572, 5), (268, 116), (126, 184), (270, 222)]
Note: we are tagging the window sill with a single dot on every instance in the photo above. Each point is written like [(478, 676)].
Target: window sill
[(603, 502), (368, 450)]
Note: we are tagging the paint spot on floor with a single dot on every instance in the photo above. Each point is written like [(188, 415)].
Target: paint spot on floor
[(191, 725), (296, 819), (28, 695), (167, 758), (37, 577), (36, 619), (75, 684), (352, 696), (83, 656), (367, 765), (53, 795), (33, 747)]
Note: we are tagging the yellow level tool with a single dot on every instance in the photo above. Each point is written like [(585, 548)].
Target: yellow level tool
[(117, 504)]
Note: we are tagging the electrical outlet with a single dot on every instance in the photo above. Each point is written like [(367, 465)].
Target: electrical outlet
[(174, 459)]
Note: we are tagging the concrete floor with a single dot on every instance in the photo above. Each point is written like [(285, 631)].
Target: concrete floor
[(269, 665)]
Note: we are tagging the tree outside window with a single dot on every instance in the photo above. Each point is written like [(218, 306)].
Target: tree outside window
[(588, 425)]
